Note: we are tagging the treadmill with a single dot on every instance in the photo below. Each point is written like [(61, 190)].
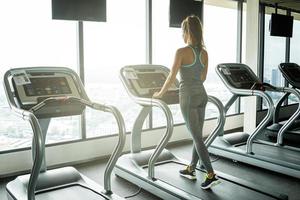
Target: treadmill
[(248, 147), (291, 73), (157, 170), (38, 94)]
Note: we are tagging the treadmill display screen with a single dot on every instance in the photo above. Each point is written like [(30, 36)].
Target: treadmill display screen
[(47, 86), (151, 80), (241, 76), (241, 79)]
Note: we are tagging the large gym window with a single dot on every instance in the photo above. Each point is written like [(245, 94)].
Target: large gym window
[(220, 35), (107, 48), (29, 37), (165, 41), (274, 54), (294, 46)]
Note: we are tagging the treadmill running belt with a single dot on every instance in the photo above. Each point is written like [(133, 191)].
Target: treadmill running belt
[(274, 152), (169, 173), (76, 192)]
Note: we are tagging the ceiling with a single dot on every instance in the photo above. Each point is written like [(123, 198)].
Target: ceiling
[(294, 5)]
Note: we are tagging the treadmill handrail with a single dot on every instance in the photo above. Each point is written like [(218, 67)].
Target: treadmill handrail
[(37, 133), (265, 120), (39, 152), (67, 99), (219, 129), (156, 102), (277, 107), (289, 122), (166, 137), (270, 103), (118, 148), (143, 101), (169, 118), (37, 137), (121, 126), (251, 92)]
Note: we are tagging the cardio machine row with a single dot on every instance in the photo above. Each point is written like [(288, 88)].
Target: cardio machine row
[(156, 170), (38, 94)]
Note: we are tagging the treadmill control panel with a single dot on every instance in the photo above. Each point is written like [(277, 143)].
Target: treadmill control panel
[(238, 76), (145, 80), (33, 86), (50, 86), (151, 80), (291, 72)]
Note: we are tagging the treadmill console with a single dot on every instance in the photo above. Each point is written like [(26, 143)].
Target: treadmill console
[(32, 86), (145, 80), (291, 72), (238, 75)]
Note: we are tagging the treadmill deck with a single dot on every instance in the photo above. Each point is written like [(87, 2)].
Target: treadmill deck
[(168, 184), (225, 190), (76, 192), (278, 159)]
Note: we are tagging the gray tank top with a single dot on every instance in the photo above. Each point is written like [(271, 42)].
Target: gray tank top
[(190, 74)]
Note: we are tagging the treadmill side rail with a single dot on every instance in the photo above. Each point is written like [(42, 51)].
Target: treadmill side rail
[(65, 96)]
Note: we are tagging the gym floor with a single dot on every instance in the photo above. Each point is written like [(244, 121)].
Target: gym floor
[(277, 182)]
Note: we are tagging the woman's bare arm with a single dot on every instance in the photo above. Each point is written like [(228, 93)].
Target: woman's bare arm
[(172, 75)]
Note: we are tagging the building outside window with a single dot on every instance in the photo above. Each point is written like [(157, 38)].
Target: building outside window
[(295, 47), (220, 35), (108, 47), (30, 37), (274, 54)]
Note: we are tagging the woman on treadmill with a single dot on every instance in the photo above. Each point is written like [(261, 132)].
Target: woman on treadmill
[(192, 62)]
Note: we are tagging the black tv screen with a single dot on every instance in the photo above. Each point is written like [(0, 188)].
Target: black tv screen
[(80, 10), (180, 9), (281, 25)]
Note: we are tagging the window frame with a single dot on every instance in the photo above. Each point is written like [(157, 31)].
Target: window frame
[(262, 13), (148, 46)]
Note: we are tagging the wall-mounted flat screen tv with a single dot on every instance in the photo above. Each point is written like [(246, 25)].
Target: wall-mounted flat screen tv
[(79, 10), (180, 9), (281, 25)]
